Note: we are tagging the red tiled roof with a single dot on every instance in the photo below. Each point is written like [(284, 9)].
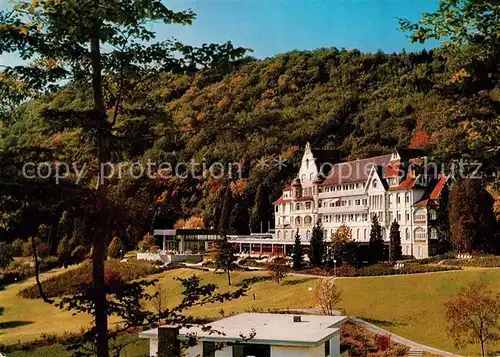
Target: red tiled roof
[(279, 200), (442, 178), (432, 194), (289, 188), (392, 168), (406, 184), (354, 171)]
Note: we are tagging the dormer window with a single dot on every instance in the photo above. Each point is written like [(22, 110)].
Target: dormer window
[(374, 184)]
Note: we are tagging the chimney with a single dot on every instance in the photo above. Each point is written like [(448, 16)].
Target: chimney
[(297, 319), (168, 344)]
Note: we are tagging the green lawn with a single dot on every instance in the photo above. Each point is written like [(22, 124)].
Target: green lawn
[(413, 305), (27, 319), (409, 305)]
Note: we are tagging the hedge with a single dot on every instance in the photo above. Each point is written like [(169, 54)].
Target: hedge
[(70, 282), (483, 261)]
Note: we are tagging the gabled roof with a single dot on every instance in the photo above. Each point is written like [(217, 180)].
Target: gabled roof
[(433, 191), (354, 171), (406, 184)]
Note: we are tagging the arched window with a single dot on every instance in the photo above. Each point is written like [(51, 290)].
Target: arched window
[(365, 236), (308, 235), (297, 206), (407, 233), (279, 235), (434, 233), (420, 234), (420, 251), (420, 215), (383, 234), (298, 220), (285, 235), (308, 220), (357, 234), (433, 214), (311, 176), (374, 184)]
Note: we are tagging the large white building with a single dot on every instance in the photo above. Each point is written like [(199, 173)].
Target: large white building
[(401, 186), (260, 335)]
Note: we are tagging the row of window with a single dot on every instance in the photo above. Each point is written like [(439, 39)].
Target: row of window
[(363, 234), (345, 187), (341, 218)]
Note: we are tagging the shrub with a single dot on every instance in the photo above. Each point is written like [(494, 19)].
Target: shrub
[(20, 270), (248, 262), (361, 342), (71, 281), (482, 261), (115, 248), (148, 244), (78, 254), (42, 249), (64, 251), (346, 271), (6, 254), (387, 269), (17, 247)]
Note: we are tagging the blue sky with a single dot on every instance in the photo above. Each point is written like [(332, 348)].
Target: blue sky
[(276, 26)]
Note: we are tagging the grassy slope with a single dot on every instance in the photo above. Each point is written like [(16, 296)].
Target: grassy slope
[(412, 305), (27, 319), (409, 305)]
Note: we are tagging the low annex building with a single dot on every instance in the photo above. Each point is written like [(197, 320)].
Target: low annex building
[(400, 187), (251, 334)]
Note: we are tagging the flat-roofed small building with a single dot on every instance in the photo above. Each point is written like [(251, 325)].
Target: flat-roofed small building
[(260, 335)]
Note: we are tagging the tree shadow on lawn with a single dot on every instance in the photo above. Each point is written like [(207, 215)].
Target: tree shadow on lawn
[(12, 324), (253, 280), (382, 323), (296, 281)]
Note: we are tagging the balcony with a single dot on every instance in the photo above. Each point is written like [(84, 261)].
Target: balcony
[(344, 209), (346, 193)]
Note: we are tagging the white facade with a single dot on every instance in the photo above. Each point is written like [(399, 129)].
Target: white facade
[(393, 187), (281, 335)]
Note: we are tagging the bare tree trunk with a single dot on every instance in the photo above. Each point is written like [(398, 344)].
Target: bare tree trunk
[(99, 240), (229, 277), (482, 348), (37, 273)]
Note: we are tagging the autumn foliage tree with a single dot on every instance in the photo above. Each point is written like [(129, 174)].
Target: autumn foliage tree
[(278, 268), (115, 248), (471, 217), (106, 48), (343, 246), (473, 316), (327, 296)]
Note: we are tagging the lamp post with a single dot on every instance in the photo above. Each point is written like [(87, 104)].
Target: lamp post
[(334, 268)]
